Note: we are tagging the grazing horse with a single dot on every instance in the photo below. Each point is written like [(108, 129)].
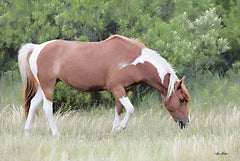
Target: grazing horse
[(116, 64)]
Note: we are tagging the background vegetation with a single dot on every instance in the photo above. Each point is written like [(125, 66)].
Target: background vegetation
[(197, 37)]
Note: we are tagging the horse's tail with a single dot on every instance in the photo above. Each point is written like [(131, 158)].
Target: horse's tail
[(30, 84)]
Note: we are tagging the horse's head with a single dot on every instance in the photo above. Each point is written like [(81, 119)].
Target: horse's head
[(176, 104)]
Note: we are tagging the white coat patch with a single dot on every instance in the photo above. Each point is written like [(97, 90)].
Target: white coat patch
[(34, 56), (162, 66), (122, 65)]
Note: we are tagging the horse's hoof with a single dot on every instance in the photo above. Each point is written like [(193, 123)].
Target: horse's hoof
[(117, 129), (57, 134), (113, 130), (27, 133), (120, 129)]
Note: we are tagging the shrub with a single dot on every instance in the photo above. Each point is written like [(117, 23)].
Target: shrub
[(192, 45), (232, 32), (66, 99)]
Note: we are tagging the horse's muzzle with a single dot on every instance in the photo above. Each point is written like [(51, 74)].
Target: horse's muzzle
[(182, 123)]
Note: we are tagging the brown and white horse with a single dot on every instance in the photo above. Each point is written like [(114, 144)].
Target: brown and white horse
[(116, 64)]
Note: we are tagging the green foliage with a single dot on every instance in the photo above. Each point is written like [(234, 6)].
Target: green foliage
[(196, 45), (232, 31), (236, 67), (195, 36), (189, 34), (24, 21), (193, 43), (66, 99)]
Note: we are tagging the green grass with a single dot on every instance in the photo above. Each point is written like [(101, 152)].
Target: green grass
[(10, 89), (151, 133)]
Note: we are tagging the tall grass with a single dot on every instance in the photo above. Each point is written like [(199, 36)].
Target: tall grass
[(151, 133), (10, 88)]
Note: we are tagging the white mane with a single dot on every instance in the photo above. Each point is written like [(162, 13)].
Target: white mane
[(162, 66)]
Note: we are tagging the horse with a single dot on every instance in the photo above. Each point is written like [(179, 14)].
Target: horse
[(116, 64)]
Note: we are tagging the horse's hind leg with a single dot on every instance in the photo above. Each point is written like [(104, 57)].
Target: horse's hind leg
[(48, 82), (36, 100), (48, 109)]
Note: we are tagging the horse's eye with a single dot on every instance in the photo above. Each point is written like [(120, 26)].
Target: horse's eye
[(182, 100)]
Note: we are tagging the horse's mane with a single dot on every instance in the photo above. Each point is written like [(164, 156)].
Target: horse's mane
[(137, 42), (163, 68)]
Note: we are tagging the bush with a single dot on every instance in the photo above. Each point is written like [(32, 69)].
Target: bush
[(193, 46), (232, 32), (66, 99)]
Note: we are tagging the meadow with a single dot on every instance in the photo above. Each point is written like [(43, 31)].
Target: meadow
[(213, 134)]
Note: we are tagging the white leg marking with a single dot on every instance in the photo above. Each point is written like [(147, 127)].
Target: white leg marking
[(129, 111), (47, 107), (116, 121), (36, 100)]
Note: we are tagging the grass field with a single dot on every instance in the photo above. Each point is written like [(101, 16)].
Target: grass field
[(214, 132)]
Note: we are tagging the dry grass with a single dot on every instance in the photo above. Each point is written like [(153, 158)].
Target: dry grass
[(85, 136), (150, 136)]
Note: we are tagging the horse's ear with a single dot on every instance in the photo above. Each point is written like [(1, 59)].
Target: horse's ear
[(182, 80), (166, 80), (179, 83)]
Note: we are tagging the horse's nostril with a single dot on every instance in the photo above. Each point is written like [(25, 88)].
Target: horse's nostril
[(181, 124)]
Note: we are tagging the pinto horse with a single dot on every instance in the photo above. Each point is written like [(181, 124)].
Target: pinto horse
[(116, 64)]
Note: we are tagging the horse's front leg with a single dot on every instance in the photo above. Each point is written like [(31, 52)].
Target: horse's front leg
[(129, 111), (118, 111), (120, 93)]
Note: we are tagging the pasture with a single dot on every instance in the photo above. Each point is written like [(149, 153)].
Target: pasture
[(214, 132)]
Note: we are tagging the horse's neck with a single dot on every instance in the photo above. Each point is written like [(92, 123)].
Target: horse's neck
[(154, 69), (152, 78)]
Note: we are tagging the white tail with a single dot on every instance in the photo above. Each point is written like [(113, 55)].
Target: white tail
[(22, 60)]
